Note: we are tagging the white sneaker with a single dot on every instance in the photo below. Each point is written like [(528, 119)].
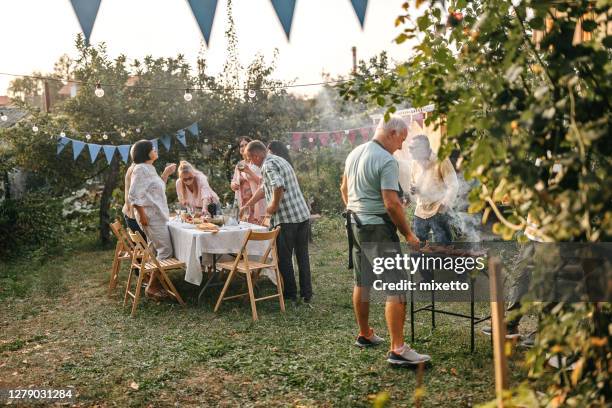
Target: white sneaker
[(371, 341), (407, 356)]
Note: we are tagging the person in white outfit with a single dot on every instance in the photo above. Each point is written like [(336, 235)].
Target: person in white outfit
[(147, 195)]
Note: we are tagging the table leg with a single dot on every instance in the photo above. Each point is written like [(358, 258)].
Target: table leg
[(211, 279)]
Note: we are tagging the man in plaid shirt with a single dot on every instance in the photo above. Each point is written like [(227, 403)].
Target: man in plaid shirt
[(288, 209)]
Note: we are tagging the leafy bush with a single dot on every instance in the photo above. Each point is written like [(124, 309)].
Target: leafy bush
[(33, 222)]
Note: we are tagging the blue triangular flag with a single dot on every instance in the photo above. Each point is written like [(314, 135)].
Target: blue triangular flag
[(61, 143), (109, 152), (93, 151), (124, 151), (86, 12), (180, 136), (77, 148), (284, 10), (204, 13), (167, 142), (193, 129), (360, 7), (155, 145)]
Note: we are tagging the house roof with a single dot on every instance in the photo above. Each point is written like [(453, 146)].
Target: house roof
[(5, 100), (13, 114)]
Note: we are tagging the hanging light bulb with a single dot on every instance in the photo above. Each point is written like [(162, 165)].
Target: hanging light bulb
[(105, 136), (288, 147), (3, 117), (99, 91), (188, 96), (123, 134), (88, 136), (205, 140), (252, 93), (63, 134), (34, 128), (137, 130)]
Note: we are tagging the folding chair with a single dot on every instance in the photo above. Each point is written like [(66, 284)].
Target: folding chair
[(251, 269), (123, 252), (143, 258)]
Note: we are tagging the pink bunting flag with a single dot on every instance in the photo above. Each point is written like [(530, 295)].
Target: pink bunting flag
[(324, 138), (338, 137), (365, 134), (296, 140), (352, 135), (419, 119)]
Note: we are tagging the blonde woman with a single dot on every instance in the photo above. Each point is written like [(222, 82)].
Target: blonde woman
[(246, 181), (192, 188)]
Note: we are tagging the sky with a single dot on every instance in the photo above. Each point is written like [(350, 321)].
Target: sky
[(35, 33)]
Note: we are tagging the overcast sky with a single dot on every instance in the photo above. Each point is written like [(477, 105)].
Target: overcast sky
[(35, 33)]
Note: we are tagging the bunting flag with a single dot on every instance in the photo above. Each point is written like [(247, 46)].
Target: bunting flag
[(352, 135), (61, 143), (296, 140), (365, 134), (94, 149), (324, 139), (124, 151), (193, 129), (167, 142), (338, 137), (284, 10), (181, 137), (109, 152), (86, 12), (360, 7), (418, 118), (155, 144), (77, 148), (204, 14)]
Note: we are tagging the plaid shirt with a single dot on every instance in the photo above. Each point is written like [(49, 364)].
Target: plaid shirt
[(277, 172)]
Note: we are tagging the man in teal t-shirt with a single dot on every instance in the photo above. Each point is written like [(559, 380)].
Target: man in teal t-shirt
[(370, 190)]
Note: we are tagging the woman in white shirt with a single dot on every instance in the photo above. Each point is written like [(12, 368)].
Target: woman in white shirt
[(147, 195), (193, 190)]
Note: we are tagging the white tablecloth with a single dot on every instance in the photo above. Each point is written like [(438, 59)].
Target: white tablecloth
[(190, 243)]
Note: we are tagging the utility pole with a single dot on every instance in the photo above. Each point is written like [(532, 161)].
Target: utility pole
[(354, 50), (46, 98)]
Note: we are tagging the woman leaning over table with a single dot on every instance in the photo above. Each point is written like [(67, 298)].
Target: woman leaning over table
[(246, 181), (147, 195), (193, 190)]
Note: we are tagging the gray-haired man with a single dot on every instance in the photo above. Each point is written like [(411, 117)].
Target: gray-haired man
[(370, 189), (287, 208)]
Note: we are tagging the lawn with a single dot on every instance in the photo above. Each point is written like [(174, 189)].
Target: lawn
[(59, 329)]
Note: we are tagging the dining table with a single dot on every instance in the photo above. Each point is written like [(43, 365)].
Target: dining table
[(195, 248)]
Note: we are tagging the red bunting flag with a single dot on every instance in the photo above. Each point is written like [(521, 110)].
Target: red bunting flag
[(324, 138), (296, 140)]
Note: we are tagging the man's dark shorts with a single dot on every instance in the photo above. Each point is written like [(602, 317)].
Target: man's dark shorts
[(372, 241)]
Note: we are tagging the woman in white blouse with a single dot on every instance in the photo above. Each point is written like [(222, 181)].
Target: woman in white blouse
[(147, 195), (193, 190)]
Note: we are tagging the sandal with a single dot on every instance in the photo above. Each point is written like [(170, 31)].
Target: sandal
[(157, 295)]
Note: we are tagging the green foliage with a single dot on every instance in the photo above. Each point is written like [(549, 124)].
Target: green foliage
[(32, 223), (532, 125)]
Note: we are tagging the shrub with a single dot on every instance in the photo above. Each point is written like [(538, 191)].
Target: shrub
[(33, 222)]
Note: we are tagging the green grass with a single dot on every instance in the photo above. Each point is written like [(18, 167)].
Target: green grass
[(58, 328)]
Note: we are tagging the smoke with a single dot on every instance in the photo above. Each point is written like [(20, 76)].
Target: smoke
[(467, 225)]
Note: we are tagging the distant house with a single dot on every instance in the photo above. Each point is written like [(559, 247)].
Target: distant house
[(69, 90)]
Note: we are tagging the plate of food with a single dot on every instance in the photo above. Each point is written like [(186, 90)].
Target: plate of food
[(207, 227)]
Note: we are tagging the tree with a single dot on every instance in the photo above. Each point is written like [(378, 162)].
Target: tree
[(531, 120)]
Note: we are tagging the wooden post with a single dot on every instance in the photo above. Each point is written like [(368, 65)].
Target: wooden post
[(47, 98), (499, 330), (354, 50)]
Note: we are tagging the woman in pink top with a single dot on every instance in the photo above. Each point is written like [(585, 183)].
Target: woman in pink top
[(246, 181), (192, 188)]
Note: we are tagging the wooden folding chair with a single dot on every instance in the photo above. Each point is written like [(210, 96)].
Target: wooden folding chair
[(123, 252), (144, 259), (251, 269)]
